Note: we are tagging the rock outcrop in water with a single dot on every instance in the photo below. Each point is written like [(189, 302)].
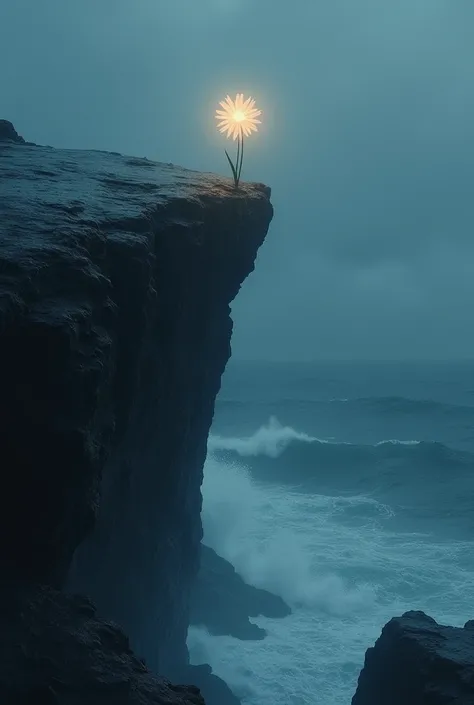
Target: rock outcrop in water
[(223, 602), (419, 662), (116, 275), (9, 134)]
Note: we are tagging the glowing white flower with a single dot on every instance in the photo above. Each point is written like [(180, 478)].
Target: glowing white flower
[(238, 117)]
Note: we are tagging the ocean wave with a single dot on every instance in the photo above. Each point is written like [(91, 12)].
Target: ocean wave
[(282, 453), (270, 440), (407, 405), (273, 439), (236, 509)]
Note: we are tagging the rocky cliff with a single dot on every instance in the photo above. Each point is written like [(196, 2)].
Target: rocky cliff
[(54, 650), (223, 602), (116, 275), (419, 662)]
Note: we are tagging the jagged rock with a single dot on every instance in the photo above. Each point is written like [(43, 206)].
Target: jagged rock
[(223, 602), (417, 661), (216, 690), (116, 275), (8, 133), (55, 651)]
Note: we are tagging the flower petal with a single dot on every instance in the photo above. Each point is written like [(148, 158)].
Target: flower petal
[(228, 123)]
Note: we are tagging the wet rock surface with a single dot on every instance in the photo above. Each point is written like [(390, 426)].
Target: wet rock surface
[(223, 602), (8, 133), (417, 661)]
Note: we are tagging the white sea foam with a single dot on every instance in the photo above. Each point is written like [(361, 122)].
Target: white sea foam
[(342, 580), (270, 439), (396, 442)]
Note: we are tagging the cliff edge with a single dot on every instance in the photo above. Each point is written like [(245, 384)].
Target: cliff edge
[(116, 275)]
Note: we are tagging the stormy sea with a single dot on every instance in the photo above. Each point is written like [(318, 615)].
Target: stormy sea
[(347, 489)]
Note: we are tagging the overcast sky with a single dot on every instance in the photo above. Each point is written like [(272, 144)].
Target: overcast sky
[(367, 141)]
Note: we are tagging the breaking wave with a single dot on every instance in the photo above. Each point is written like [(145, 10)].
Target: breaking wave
[(273, 439), (402, 469)]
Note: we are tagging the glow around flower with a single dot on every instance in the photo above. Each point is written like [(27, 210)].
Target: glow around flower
[(238, 117)]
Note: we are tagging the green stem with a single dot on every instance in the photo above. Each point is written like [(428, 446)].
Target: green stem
[(241, 158), (234, 172), (237, 169), (236, 176)]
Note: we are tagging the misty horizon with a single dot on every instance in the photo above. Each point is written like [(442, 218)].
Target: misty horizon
[(354, 360)]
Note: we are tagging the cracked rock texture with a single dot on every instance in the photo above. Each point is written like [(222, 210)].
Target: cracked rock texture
[(116, 275), (55, 651), (417, 661)]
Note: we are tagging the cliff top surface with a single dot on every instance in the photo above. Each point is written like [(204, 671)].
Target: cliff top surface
[(62, 204), (98, 185)]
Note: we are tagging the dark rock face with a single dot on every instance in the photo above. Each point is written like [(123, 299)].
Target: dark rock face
[(55, 651), (217, 692), (418, 662), (116, 276), (8, 133), (223, 602)]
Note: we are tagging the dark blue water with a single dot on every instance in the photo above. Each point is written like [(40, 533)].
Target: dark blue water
[(349, 490)]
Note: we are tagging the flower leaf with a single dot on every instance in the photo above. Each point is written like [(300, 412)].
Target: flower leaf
[(234, 172)]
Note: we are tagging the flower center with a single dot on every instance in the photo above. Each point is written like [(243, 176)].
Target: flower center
[(239, 116)]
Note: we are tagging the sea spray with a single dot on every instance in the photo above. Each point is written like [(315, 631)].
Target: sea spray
[(338, 559)]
